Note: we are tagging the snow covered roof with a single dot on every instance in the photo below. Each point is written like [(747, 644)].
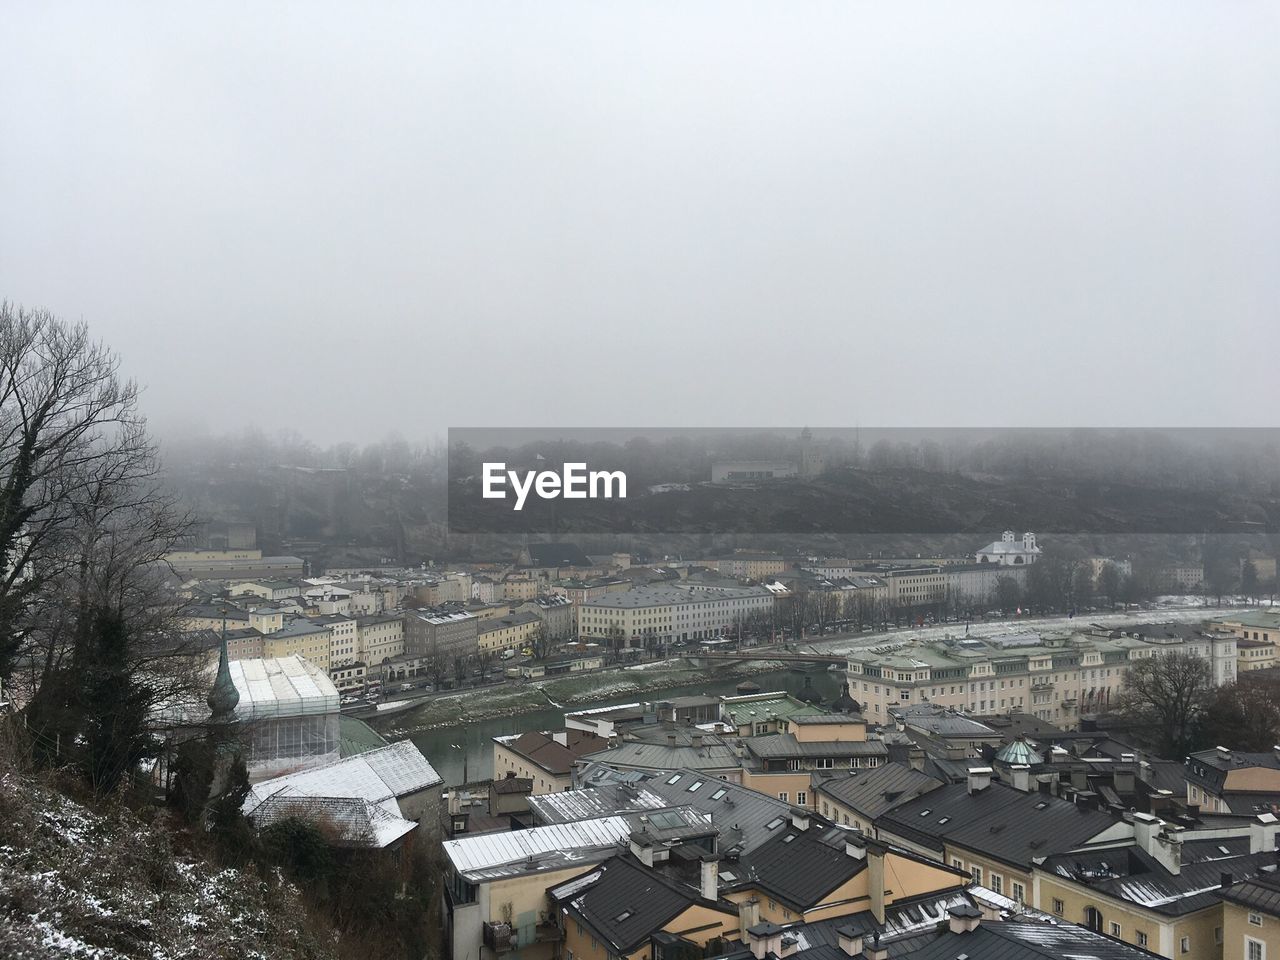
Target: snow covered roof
[(376, 776), (491, 855), (282, 687), (357, 822)]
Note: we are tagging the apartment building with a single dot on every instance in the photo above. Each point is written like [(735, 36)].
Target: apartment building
[(300, 637), (782, 764), (559, 619), (1234, 781), (749, 566), (911, 587), (1057, 678), (449, 633), (268, 589), (344, 638), (663, 614), (511, 632), (381, 637), (975, 584)]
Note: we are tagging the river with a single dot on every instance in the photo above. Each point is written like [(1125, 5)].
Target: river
[(465, 752)]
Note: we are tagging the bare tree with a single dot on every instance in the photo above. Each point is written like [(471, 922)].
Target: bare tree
[(1163, 699), (484, 663), (69, 427)]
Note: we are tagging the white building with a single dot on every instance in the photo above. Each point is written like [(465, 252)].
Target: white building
[(1008, 551)]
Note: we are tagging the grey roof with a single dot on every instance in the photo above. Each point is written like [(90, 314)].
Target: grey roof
[(875, 791), (743, 815), (786, 745), (942, 722), (1262, 893), (660, 756), (1027, 940), (1129, 874), (623, 902), (605, 799), (491, 856), (799, 867), (998, 821)]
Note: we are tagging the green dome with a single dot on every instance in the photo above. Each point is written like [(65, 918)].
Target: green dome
[(1019, 751)]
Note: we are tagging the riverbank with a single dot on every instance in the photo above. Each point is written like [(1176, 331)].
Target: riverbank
[(615, 683)]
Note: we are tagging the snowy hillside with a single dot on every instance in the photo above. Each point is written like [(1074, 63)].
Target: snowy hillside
[(74, 883)]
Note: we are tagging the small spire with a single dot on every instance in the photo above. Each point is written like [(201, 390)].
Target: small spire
[(224, 696)]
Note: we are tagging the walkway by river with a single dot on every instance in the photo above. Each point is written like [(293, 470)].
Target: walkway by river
[(449, 747)]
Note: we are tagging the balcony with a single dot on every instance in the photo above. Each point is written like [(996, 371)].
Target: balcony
[(547, 931), (500, 937)]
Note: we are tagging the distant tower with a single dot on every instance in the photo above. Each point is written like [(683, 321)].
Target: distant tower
[(1007, 536), (813, 460), (1029, 541)]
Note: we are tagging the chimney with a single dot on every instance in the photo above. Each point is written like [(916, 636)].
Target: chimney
[(1262, 832), (1145, 827), (1161, 840), (748, 915), (1223, 754), (856, 846), (671, 739), (979, 779), (876, 952), (1225, 879), (511, 775), (642, 847), (764, 939), (800, 818), (915, 759), (710, 877), (1080, 779), (964, 918), (875, 880), (697, 740), (1020, 777), (1123, 779), (1045, 786), (955, 751), (849, 941), (790, 944)]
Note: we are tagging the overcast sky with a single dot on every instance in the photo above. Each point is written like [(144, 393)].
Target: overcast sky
[(359, 218)]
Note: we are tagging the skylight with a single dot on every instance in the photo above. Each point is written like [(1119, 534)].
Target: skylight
[(925, 812), (774, 824), (695, 785), (944, 820), (675, 779), (788, 838), (623, 916), (719, 793)]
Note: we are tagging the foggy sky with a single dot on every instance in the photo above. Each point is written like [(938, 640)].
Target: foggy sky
[(353, 219)]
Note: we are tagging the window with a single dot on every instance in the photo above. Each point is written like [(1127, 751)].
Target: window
[(783, 796), (1142, 939), (1115, 929), (1184, 945), (957, 863), (1254, 949), (997, 883), (801, 797), (1255, 919), (977, 874), (1058, 906), (1019, 891)]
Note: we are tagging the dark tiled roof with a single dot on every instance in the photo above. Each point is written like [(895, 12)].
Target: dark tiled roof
[(1012, 826), (875, 791), (800, 867), (1027, 940), (1129, 874), (623, 902), (786, 745), (1261, 894)]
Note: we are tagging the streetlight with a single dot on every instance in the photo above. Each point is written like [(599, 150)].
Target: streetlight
[(458, 746)]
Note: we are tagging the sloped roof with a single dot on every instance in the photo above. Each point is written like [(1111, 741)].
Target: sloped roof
[(356, 822), (1027, 940), (378, 776), (879, 789), (623, 902)]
